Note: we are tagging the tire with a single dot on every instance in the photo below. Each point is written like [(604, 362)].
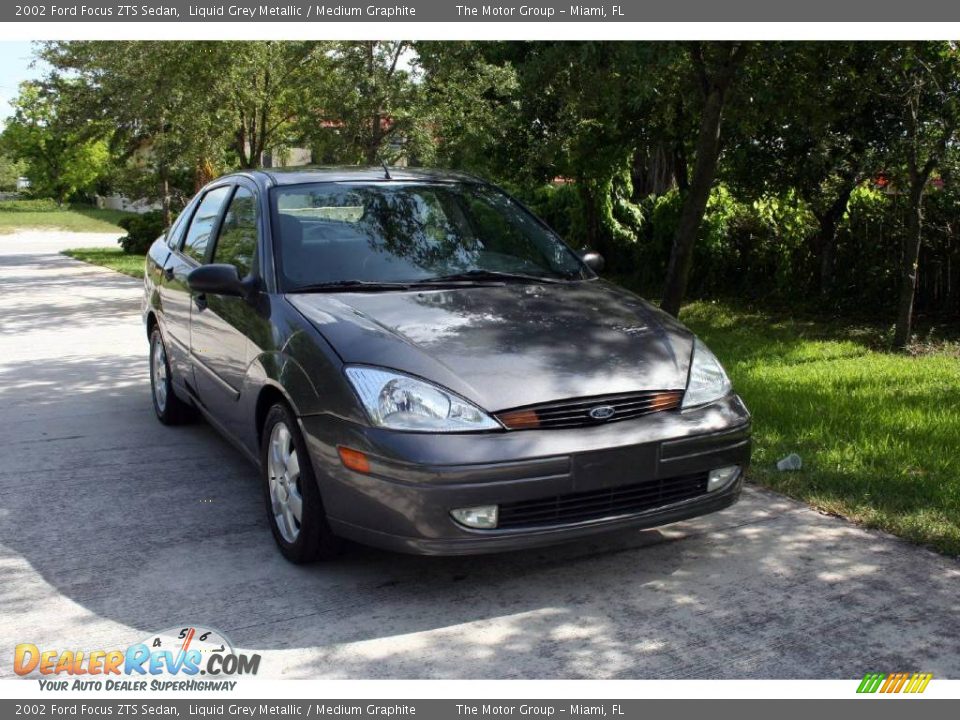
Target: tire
[(288, 483), (170, 409)]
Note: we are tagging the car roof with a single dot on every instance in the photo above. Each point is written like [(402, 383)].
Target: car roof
[(353, 173)]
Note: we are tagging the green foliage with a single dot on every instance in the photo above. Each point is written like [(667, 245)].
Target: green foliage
[(61, 157), (10, 171), (142, 230)]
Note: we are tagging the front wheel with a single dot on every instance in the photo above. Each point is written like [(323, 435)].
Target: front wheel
[(294, 508), (170, 409)]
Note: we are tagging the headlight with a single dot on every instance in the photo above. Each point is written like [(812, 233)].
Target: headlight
[(708, 380), (400, 402)]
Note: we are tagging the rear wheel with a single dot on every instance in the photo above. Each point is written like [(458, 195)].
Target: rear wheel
[(294, 508), (170, 409)]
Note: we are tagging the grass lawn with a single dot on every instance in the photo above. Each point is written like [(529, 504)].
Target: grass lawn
[(115, 259), (879, 433), (45, 215)]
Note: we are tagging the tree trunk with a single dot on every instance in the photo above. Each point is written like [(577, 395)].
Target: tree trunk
[(829, 224), (694, 202), (165, 205), (591, 216), (911, 256), (373, 149)]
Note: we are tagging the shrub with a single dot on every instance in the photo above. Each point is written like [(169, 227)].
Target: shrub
[(142, 230), (34, 205)]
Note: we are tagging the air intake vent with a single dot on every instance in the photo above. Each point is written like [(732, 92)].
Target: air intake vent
[(597, 410), (598, 504)]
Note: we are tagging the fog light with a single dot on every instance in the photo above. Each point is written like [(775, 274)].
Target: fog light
[(482, 517), (721, 477)]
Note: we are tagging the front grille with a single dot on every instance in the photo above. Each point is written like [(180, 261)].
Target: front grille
[(577, 412), (596, 504)]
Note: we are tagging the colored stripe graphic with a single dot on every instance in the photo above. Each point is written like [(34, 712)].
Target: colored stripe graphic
[(894, 683), (871, 682)]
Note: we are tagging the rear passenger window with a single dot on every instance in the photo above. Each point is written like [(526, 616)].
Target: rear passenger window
[(238, 235), (198, 236)]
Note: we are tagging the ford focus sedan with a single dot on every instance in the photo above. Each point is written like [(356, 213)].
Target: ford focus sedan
[(414, 361)]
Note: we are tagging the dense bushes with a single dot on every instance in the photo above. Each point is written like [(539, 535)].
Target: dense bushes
[(142, 230), (766, 249)]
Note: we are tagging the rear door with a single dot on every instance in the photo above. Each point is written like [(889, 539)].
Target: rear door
[(222, 326), (175, 296)]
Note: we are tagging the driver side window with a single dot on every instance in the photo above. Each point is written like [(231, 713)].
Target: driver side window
[(204, 221), (237, 243)]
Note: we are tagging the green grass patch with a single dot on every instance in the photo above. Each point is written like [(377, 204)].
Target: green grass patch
[(118, 260), (45, 215), (878, 432)]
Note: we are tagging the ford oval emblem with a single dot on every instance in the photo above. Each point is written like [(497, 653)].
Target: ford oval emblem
[(602, 412)]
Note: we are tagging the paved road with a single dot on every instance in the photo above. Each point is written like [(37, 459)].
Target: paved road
[(113, 526)]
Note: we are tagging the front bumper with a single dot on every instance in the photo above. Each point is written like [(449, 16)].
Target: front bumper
[(404, 503)]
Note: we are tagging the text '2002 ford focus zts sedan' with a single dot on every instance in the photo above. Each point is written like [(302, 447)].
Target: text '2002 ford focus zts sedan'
[(417, 362)]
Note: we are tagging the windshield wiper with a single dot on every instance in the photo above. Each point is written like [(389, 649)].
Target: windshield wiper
[(454, 280), (355, 285), (494, 275)]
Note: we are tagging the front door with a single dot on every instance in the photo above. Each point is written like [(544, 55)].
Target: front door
[(176, 298), (221, 326)]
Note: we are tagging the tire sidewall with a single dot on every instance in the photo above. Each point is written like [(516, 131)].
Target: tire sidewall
[(155, 339), (315, 538)]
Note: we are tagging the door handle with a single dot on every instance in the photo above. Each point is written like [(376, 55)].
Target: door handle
[(168, 273)]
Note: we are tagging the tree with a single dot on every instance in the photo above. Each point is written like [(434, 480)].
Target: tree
[(577, 113), (167, 136), (925, 96), (181, 109), (369, 103), (61, 159), (715, 66), (267, 88), (468, 107), (815, 123)]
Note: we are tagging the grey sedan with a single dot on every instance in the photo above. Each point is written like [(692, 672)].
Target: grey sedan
[(415, 361)]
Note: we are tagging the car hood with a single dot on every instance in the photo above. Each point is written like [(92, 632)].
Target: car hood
[(507, 346)]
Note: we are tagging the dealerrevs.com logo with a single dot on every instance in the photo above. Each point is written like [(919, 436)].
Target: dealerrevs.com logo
[(174, 659)]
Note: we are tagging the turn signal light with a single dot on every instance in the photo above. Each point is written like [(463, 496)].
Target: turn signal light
[(520, 419), (353, 459)]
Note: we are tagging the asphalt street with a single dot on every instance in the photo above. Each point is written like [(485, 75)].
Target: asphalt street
[(113, 527)]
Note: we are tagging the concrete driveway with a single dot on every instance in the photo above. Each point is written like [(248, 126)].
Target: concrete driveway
[(113, 526)]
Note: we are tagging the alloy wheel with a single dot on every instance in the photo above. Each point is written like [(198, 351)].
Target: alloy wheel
[(283, 470), (159, 375)]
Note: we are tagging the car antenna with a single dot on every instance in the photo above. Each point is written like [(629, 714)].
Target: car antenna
[(386, 171)]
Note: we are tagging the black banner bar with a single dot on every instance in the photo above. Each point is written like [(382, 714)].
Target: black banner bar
[(446, 11), (213, 709)]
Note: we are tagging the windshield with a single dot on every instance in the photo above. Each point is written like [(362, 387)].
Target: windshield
[(400, 232)]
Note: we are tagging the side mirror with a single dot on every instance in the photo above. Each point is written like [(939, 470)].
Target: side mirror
[(593, 260), (216, 280)]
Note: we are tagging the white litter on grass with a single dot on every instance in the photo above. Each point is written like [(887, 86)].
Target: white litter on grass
[(790, 462)]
